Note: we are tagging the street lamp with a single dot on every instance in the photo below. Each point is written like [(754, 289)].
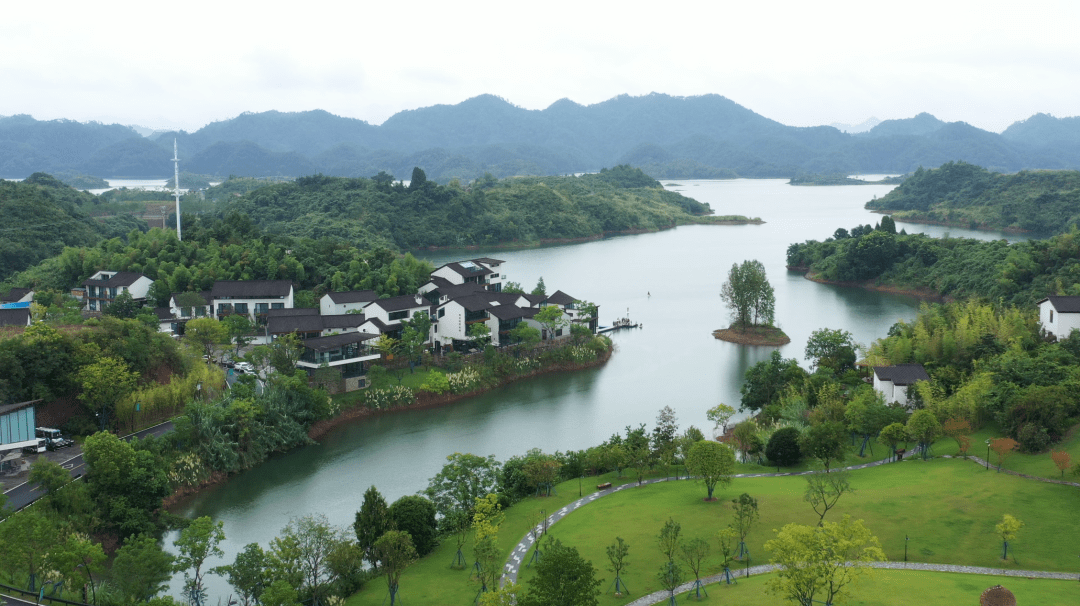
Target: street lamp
[(987, 454), (906, 539)]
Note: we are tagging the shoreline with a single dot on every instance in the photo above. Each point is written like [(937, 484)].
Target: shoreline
[(423, 400), (922, 221), (767, 336), (519, 244), (919, 293)]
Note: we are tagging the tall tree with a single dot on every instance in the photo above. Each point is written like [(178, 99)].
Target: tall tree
[(247, 574), (832, 349), (372, 521), (823, 491), (1007, 529), (197, 542), (206, 334), (713, 463), (825, 442), (141, 569), (416, 515), (821, 564), (746, 513), (563, 578), (462, 480), (748, 295), (617, 553), (395, 552), (103, 383)]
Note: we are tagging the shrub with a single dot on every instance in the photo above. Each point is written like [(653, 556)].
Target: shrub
[(783, 447), (436, 382)]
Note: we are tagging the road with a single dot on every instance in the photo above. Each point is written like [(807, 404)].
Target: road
[(25, 493)]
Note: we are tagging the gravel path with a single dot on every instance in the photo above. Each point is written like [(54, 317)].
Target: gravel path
[(520, 556)]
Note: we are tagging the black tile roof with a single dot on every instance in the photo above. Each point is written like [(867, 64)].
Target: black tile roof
[(163, 313), (15, 317), (488, 261), (292, 311), (251, 289), (342, 321), (336, 341), (285, 324), (120, 278), (383, 328), (902, 374), (509, 312), (475, 270), (561, 298), (1064, 305), (401, 302), (205, 294), (15, 294), (353, 296)]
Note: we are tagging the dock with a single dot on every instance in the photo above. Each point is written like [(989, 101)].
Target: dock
[(620, 323)]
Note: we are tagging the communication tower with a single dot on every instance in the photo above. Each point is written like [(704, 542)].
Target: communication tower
[(176, 186)]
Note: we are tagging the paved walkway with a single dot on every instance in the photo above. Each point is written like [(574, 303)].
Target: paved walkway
[(521, 556)]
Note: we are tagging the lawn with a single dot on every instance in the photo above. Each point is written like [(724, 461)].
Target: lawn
[(432, 581), (947, 507), (1032, 464), (897, 587)]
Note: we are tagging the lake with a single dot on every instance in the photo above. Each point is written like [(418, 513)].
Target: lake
[(669, 281)]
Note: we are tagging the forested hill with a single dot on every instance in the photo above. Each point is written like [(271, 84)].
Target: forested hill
[(41, 216), (527, 209), (706, 136), (957, 193), (1019, 274)]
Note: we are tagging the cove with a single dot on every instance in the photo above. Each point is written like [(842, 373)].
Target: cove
[(669, 281)]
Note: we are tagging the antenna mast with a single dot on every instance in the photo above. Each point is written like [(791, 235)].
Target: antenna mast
[(176, 186)]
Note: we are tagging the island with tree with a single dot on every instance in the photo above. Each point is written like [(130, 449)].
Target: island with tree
[(750, 298)]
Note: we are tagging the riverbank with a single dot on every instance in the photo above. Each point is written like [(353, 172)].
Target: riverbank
[(754, 335), (902, 217), (520, 245), (359, 411), (925, 294), (426, 399)]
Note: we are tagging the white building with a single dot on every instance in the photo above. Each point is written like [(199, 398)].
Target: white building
[(103, 287), (251, 297), (337, 303), (484, 271), (1059, 315), (893, 382)]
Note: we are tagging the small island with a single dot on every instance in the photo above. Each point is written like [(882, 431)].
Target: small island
[(749, 296), (839, 179), (753, 335)]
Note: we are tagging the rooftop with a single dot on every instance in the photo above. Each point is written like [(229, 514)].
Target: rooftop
[(902, 374), (1064, 305), (119, 278), (353, 296), (251, 289)]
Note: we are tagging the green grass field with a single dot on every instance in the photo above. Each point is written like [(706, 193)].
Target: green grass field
[(948, 507), (902, 588), (1032, 464)]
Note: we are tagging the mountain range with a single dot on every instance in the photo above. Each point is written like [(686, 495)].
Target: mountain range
[(705, 136)]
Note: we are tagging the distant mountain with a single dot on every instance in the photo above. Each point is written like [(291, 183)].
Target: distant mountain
[(852, 129), (673, 137)]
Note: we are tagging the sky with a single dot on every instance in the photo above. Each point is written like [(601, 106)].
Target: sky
[(185, 64)]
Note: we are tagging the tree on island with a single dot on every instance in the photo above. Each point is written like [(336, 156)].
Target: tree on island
[(748, 295)]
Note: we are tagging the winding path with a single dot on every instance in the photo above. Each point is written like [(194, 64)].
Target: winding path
[(520, 555)]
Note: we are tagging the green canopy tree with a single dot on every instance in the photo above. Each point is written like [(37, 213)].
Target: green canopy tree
[(196, 543), (748, 295), (821, 564), (103, 383), (562, 577), (713, 463), (395, 552), (141, 569), (372, 521)]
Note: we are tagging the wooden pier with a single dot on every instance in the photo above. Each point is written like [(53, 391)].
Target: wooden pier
[(620, 323)]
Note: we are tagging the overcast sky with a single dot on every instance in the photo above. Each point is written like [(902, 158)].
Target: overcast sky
[(184, 64)]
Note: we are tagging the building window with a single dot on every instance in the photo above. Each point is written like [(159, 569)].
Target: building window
[(399, 315), (1051, 316), (261, 308), (277, 306), (112, 292), (93, 305), (442, 312), (241, 308)]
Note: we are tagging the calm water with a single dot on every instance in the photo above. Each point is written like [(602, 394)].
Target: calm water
[(669, 281)]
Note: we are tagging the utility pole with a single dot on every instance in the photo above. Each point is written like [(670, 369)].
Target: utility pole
[(176, 186)]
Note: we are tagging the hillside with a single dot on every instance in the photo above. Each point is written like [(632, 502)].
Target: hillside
[(671, 137), (42, 216), (962, 194), (490, 212)]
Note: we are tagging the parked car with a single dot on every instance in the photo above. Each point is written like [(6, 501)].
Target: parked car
[(245, 367)]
